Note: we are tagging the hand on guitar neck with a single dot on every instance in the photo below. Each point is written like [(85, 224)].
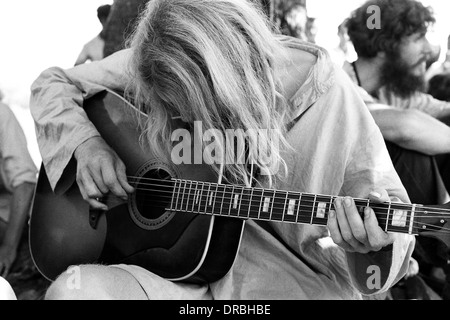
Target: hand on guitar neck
[(356, 233), (100, 171)]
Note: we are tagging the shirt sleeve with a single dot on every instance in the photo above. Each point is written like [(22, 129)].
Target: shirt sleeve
[(56, 101), (419, 101), (16, 164), (369, 168)]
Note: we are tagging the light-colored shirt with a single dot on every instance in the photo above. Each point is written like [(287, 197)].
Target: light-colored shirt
[(337, 150), (16, 164), (419, 100)]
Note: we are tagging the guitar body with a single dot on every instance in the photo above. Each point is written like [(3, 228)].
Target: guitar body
[(179, 246)]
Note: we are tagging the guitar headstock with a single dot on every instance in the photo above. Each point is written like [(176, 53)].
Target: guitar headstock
[(434, 221)]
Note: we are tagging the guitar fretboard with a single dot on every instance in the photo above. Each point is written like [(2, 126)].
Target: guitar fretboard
[(277, 205)]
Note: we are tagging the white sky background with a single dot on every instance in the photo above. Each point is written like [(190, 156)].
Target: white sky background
[(37, 34)]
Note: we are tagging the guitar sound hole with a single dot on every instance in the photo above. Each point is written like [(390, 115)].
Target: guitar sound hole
[(153, 194)]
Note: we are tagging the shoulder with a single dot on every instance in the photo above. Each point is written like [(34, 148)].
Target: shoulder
[(5, 112), (294, 68)]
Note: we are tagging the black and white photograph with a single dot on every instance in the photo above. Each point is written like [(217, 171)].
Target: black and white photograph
[(225, 156)]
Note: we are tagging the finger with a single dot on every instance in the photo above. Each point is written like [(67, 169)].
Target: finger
[(93, 202), (96, 176), (376, 236), (379, 196), (122, 177), (344, 226), (90, 186), (355, 222), (335, 233), (111, 181), (82, 58)]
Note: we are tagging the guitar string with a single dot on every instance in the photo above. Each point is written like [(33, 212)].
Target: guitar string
[(169, 195), (416, 224), (303, 203), (172, 186)]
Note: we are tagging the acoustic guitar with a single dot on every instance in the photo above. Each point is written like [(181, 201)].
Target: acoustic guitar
[(180, 223)]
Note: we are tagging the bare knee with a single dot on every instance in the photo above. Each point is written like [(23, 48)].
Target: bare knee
[(86, 282)]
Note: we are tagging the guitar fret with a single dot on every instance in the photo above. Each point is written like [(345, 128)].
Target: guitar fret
[(273, 202), (196, 194), (236, 201), (307, 209), (320, 210), (387, 218), (220, 195), (266, 207), (231, 200), (298, 207), (188, 196), (250, 203), (279, 204), (256, 204), (207, 197), (411, 221), (182, 197), (312, 211), (178, 195), (240, 202), (291, 202), (284, 208), (173, 196), (215, 197), (199, 199)]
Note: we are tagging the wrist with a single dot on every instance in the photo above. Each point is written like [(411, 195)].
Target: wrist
[(82, 146)]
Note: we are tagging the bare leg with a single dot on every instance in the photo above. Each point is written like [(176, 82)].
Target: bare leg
[(6, 292), (95, 282)]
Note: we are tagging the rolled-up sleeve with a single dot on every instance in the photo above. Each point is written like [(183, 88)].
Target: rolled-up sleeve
[(57, 97)]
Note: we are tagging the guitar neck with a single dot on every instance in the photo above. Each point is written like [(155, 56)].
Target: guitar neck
[(281, 206)]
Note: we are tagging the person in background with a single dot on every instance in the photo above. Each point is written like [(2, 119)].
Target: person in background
[(390, 73), (117, 27), (18, 175), (294, 21)]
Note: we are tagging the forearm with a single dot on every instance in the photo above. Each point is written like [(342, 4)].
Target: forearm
[(430, 141), (20, 208), (56, 103), (413, 130)]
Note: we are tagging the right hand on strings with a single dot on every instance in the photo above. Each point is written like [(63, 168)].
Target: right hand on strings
[(100, 171)]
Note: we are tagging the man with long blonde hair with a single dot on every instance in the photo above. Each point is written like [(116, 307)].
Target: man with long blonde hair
[(217, 62)]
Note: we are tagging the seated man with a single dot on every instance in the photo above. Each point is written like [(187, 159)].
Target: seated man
[(17, 182), (390, 73), (391, 76), (219, 63)]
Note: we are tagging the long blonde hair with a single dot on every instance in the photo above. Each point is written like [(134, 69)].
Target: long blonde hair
[(212, 61)]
